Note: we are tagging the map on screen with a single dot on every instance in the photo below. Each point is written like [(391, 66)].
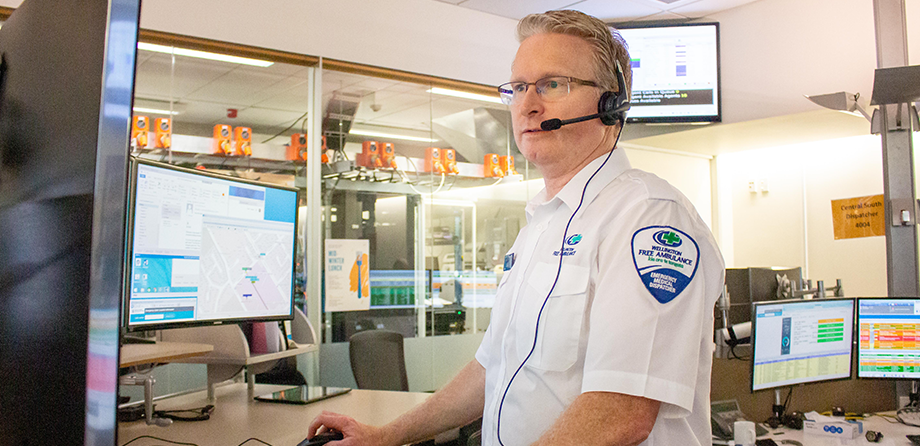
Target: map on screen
[(205, 248)]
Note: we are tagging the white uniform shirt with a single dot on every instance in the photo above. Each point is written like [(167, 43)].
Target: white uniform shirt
[(603, 329)]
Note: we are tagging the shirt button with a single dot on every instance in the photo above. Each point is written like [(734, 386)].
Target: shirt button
[(541, 227)]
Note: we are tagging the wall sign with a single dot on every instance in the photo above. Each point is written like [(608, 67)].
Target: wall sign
[(858, 217)]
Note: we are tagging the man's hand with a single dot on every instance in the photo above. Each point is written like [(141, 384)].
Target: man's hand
[(457, 403), (355, 433)]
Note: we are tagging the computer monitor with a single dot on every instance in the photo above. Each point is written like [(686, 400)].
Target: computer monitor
[(207, 249), (888, 344), (801, 341)]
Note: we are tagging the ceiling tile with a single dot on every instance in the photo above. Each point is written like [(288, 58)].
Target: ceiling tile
[(703, 8), (287, 102), (618, 11), (662, 16), (238, 87), (154, 76), (515, 9)]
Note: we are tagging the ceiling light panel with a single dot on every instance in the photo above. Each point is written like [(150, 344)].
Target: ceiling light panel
[(465, 95), (202, 55)]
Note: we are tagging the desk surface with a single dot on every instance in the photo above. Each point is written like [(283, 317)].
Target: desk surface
[(894, 435), (237, 418), (136, 354)]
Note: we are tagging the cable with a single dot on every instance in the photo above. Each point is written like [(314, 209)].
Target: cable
[(907, 410), (254, 439), (288, 127), (786, 401), (565, 234), (159, 439)]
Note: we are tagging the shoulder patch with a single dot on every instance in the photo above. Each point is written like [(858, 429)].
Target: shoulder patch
[(666, 260)]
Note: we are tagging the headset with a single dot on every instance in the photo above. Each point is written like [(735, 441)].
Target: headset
[(611, 109)]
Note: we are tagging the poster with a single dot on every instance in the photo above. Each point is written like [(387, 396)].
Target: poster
[(348, 284)]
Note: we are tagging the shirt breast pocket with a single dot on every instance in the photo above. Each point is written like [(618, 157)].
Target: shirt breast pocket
[(559, 332)]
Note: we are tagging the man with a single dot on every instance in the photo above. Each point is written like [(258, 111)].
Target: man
[(602, 327)]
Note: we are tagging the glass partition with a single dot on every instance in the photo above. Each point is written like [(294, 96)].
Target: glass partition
[(422, 174), (420, 184), (226, 114)]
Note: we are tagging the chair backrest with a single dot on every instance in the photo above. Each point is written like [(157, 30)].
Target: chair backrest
[(301, 329), (378, 361)]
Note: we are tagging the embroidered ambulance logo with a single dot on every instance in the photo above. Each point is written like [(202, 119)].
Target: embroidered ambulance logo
[(668, 238), (573, 240), (666, 260)]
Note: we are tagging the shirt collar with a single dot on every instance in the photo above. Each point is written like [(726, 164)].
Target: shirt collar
[(570, 194)]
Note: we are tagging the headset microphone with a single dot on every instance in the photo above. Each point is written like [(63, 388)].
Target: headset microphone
[(555, 123)]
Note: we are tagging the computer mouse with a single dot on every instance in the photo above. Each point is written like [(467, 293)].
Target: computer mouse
[(322, 438)]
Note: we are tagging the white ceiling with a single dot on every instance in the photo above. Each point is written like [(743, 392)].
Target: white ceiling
[(610, 11), (272, 99)]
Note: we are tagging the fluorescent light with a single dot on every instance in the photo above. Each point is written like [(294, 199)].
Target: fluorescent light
[(389, 135), (465, 95), (202, 54), (453, 203), (154, 111)]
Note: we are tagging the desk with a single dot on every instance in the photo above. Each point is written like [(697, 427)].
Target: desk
[(894, 434), (137, 354), (237, 417)]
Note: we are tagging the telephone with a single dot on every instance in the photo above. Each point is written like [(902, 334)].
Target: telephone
[(724, 415)]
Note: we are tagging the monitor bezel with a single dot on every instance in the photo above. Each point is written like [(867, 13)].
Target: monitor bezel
[(680, 119), (755, 305), (858, 346), (136, 162)]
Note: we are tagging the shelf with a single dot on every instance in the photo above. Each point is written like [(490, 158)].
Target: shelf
[(137, 354), (251, 360)]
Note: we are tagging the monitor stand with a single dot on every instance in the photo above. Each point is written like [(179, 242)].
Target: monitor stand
[(776, 419), (913, 397), (133, 339)]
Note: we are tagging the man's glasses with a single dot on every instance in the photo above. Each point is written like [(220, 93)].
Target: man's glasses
[(550, 89)]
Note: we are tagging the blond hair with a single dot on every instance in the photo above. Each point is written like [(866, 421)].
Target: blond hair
[(608, 46)]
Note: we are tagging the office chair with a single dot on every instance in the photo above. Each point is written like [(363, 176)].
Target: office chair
[(378, 360)]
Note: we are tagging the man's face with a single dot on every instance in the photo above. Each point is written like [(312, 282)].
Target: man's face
[(557, 151)]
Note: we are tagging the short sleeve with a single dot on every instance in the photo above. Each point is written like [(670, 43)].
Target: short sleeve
[(648, 314)]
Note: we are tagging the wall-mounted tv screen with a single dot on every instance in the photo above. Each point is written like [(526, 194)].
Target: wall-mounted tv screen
[(675, 72), (207, 249)]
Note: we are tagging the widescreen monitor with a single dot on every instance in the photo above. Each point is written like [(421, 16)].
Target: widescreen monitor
[(889, 345), (675, 73), (207, 249), (801, 341)]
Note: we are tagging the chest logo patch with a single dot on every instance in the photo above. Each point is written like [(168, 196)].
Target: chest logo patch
[(666, 260), (573, 240)]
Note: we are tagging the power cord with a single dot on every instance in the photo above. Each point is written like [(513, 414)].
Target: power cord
[(159, 439), (907, 410), (254, 439)]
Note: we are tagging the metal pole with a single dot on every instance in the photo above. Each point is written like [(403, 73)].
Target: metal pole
[(897, 156)]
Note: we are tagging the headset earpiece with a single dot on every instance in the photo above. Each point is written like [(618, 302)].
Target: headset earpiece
[(613, 104), (606, 108)]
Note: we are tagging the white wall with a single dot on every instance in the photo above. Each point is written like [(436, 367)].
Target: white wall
[(689, 173), (775, 51), (791, 224)]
